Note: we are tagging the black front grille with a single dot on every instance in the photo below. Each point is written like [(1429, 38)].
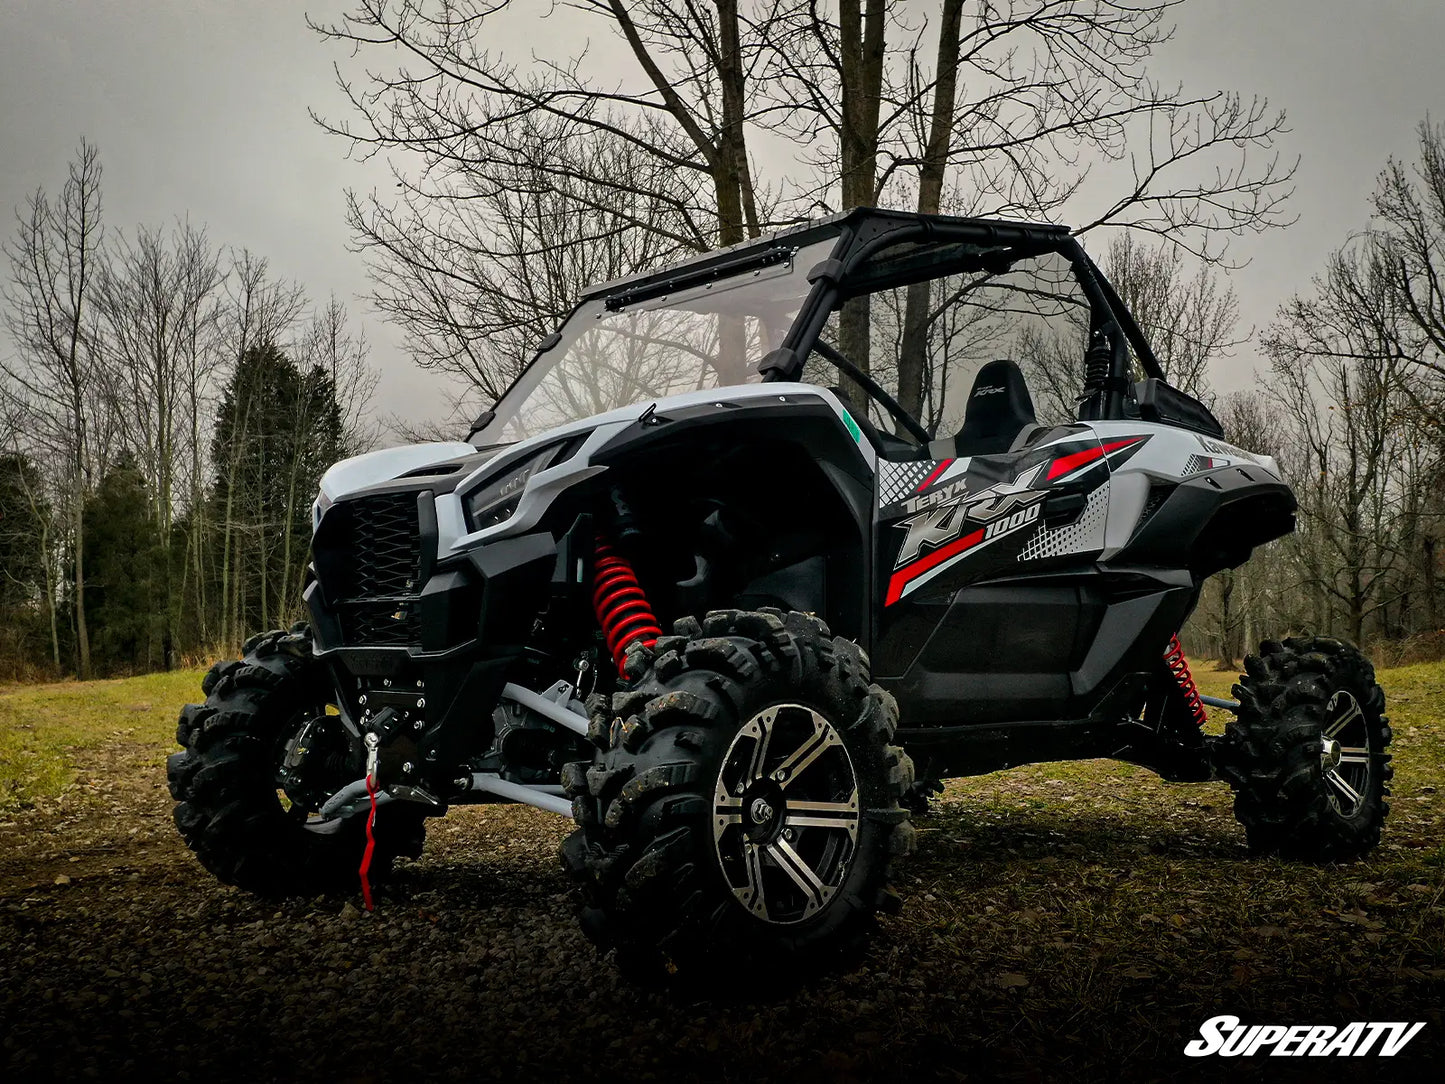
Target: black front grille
[(380, 566), (386, 546), (379, 624)]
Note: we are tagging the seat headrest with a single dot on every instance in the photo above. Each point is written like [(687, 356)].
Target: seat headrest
[(999, 408)]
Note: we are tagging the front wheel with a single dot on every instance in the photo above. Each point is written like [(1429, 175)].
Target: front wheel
[(743, 805), (1308, 756), (262, 755)]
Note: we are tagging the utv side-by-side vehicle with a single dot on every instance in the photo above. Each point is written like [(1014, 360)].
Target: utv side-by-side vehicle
[(700, 583)]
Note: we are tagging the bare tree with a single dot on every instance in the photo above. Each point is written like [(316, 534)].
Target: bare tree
[(1191, 320), (1339, 381), (54, 260), (456, 103), (1019, 100), (330, 345), (1410, 243), (158, 298), (1022, 100), (479, 278), (1189, 315)]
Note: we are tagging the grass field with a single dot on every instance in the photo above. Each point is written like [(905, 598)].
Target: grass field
[(46, 729), (1061, 922)]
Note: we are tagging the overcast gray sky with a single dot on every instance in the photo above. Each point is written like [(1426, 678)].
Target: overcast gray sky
[(199, 109)]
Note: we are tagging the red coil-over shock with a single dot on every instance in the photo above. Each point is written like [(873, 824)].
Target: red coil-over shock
[(620, 603), (1179, 670)]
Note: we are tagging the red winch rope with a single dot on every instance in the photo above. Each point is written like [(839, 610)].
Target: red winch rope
[(620, 604), (1179, 669), (370, 846)]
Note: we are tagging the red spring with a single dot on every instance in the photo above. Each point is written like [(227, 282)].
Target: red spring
[(620, 604), (1179, 668)]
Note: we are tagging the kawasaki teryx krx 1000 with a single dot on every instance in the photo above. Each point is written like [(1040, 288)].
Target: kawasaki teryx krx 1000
[(699, 582)]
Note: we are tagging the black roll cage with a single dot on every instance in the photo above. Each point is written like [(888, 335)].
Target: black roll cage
[(862, 234), (866, 232)]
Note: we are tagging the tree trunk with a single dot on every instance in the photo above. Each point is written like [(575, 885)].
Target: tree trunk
[(913, 351), (77, 512), (1226, 621), (861, 28), (50, 587), (729, 205), (1429, 555), (741, 220)]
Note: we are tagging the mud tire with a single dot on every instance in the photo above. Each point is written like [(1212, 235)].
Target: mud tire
[(644, 853), (228, 809), (1271, 754)]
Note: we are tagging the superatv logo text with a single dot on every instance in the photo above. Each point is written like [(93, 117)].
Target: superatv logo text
[(1227, 1037), (941, 515)]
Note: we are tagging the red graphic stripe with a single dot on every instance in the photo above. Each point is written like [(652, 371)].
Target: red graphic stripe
[(904, 576), (933, 475), (1070, 463)]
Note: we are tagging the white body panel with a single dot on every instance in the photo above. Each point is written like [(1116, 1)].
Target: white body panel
[(351, 475), (360, 471)]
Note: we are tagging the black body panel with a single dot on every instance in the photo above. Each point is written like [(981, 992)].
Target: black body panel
[(1213, 521)]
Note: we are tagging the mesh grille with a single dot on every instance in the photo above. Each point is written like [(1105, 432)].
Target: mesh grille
[(387, 546), (379, 624), (378, 607)]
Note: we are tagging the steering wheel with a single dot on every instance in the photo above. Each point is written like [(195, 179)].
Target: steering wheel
[(870, 385)]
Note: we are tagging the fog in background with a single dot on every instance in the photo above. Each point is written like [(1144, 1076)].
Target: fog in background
[(199, 109)]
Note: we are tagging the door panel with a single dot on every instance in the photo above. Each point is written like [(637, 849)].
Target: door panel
[(982, 563)]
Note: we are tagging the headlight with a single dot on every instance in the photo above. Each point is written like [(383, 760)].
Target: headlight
[(496, 500), (318, 509)]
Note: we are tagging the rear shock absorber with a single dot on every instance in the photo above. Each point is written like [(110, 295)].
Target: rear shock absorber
[(620, 604), (1179, 670)]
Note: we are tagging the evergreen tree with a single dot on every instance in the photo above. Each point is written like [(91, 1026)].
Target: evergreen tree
[(20, 531), (125, 596), (277, 430)]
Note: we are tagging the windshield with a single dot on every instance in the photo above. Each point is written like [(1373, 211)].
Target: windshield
[(638, 345), (928, 339)]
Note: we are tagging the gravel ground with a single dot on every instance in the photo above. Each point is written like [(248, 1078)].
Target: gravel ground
[(1074, 923)]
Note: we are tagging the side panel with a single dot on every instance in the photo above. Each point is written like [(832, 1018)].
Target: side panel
[(994, 606), (1043, 583), (945, 525)]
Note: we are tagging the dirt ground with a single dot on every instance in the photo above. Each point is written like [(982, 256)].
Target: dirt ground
[(1073, 922)]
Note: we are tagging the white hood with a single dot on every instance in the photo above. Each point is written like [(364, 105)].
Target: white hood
[(363, 470)]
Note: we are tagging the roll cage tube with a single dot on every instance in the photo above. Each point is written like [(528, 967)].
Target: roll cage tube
[(872, 231), (1125, 319), (872, 388)]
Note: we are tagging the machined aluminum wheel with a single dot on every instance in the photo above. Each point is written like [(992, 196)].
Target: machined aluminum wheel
[(1308, 754), (741, 813), (785, 813), (1345, 753)]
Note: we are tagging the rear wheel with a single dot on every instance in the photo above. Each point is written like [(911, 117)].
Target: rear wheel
[(743, 806), (1308, 755), (262, 755)]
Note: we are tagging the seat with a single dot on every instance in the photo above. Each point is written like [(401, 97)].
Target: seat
[(1000, 412)]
